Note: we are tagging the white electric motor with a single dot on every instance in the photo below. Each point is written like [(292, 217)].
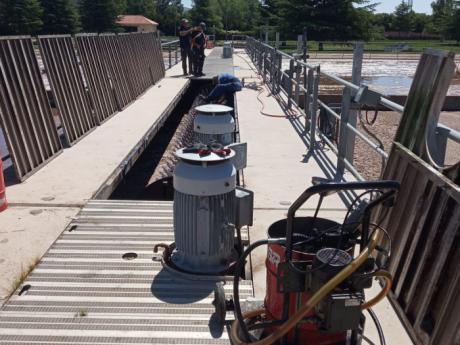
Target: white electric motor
[(214, 122), (204, 210)]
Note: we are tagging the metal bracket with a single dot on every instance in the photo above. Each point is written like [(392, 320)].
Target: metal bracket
[(366, 96)]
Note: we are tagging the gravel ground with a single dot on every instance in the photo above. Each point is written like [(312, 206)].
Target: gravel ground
[(368, 162)]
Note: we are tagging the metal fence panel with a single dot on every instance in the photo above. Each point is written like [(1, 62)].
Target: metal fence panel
[(25, 113), (117, 70), (424, 227), (67, 86), (96, 75), (157, 65)]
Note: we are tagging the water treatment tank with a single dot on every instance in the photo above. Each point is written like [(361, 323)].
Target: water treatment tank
[(204, 210), (214, 122)]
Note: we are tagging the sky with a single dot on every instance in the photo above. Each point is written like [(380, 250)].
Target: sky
[(385, 5)]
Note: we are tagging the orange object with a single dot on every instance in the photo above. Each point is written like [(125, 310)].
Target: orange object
[(3, 203)]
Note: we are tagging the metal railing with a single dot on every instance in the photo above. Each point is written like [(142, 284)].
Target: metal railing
[(171, 53), (303, 78)]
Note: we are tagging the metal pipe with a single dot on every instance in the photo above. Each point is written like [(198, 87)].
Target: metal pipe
[(453, 134)]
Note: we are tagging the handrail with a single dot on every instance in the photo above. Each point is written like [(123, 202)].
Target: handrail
[(172, 47), (268, 60), (164, 44)]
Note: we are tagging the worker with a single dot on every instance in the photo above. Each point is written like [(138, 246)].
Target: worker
[(185, 39), (224, 84), (198, 46)]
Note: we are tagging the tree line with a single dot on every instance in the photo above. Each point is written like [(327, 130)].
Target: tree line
[(32, 17), (323, 19)]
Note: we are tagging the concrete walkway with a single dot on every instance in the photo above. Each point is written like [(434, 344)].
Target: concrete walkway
[(42, 206), (279, 170)]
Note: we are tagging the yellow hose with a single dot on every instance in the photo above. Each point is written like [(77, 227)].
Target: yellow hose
[(383, 293), (312, 302)]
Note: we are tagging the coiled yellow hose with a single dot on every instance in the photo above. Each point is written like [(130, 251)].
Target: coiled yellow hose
[(313, 301)]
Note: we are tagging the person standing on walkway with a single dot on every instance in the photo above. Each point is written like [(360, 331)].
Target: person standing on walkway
[(198, 46), (185, 39)]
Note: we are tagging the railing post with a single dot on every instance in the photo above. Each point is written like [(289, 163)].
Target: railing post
[(308, 98), (175, 52), (277, 40), (358, 54), (290, 83), (170, 57), (271, 69), (314, 108), (298, 71), (346, 147), (344, 131), (279, 68)]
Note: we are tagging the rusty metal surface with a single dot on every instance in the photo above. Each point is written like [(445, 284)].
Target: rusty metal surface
[(96, 75), (25, 113), (425, 230), (67, 86)]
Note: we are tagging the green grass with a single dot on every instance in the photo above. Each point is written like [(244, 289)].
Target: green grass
[(415, 46)]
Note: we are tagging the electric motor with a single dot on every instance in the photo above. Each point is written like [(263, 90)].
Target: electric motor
[(214, 122), (204, 210)]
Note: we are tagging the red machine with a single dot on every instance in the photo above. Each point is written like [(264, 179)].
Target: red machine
[(315, 289)]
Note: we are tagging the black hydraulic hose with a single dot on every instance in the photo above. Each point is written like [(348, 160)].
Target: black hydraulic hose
[(236, 281), (378, 326)]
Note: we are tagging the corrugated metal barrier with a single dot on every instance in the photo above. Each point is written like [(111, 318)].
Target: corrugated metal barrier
[(91, 78), (25, 113), (67, 86)]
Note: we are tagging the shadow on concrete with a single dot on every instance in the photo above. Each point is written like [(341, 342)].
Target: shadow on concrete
[(317, 152)]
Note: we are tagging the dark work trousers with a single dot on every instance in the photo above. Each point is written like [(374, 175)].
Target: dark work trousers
[(186, 54), (198, 60)]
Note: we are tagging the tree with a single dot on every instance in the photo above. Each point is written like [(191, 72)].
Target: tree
[(168, 14), (453, 27), (146, 8), (20, 17), (404, 18), (324, 19), (206, 11), (442, 12), (99, 15), (60, 17), (384, 20)]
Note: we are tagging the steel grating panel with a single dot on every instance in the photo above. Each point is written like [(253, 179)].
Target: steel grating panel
[(83, 292), (67, 86), (25, 113)]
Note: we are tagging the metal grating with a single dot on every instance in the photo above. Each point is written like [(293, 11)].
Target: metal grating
[(25, 113), (96, 75), (67, 86), (83, 292)]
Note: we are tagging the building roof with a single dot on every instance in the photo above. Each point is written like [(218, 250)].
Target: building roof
[(134, 20)]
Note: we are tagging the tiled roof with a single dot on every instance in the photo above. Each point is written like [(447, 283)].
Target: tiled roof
[(134, 20)]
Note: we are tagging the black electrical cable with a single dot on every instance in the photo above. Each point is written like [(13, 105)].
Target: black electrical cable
[(236, 281), (378, 326)]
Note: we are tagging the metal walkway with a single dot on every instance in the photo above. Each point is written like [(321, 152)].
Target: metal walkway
[(84, 292)]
